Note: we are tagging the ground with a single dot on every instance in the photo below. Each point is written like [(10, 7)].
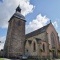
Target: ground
[(17, 59), (8, 59), (1, 59)]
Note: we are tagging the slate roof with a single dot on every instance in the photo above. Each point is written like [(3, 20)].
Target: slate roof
[(38, 31), (18, 14), (38, 39), (30, 41)]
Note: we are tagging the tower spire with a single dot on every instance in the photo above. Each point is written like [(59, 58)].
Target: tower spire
[(18, 9)]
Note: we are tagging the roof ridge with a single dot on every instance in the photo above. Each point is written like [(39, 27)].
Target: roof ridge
[(40, 30)]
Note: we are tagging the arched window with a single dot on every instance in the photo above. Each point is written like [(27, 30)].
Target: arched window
[(34, 46), (43, 47), (53, 40)]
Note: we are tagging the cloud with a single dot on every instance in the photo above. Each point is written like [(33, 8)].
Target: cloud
[(37, 23), (2, 39), (26, 7), (55, 24), (7, 9)]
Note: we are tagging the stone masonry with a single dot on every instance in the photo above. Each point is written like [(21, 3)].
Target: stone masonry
[(14, 44)]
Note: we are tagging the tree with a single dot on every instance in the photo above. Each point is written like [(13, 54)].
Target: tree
[(0, 41)]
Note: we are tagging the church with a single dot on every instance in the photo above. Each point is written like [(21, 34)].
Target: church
[(42, 43)]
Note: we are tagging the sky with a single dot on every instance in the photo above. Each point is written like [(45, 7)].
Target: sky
[(37, 14)]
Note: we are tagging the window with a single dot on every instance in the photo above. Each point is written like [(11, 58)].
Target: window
[(53, 40), (34, 46), (43, 47)]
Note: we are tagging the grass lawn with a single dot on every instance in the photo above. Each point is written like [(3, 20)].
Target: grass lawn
[(1, 59)]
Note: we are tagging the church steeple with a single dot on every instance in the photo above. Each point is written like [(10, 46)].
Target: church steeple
[(14, 45), (18, 9), (18, 14)]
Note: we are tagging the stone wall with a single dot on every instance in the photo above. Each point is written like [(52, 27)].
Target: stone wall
[(39, 45), (50, 30), (14, 45)]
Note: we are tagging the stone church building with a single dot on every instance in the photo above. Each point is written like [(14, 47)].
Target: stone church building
[(43, 42)]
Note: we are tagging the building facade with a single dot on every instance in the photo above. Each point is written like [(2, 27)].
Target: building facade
[(43, 42)]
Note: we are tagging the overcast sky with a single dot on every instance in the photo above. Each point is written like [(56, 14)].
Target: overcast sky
[(37, 13)]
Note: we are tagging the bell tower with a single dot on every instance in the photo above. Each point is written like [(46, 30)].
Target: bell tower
[(14, 44)]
